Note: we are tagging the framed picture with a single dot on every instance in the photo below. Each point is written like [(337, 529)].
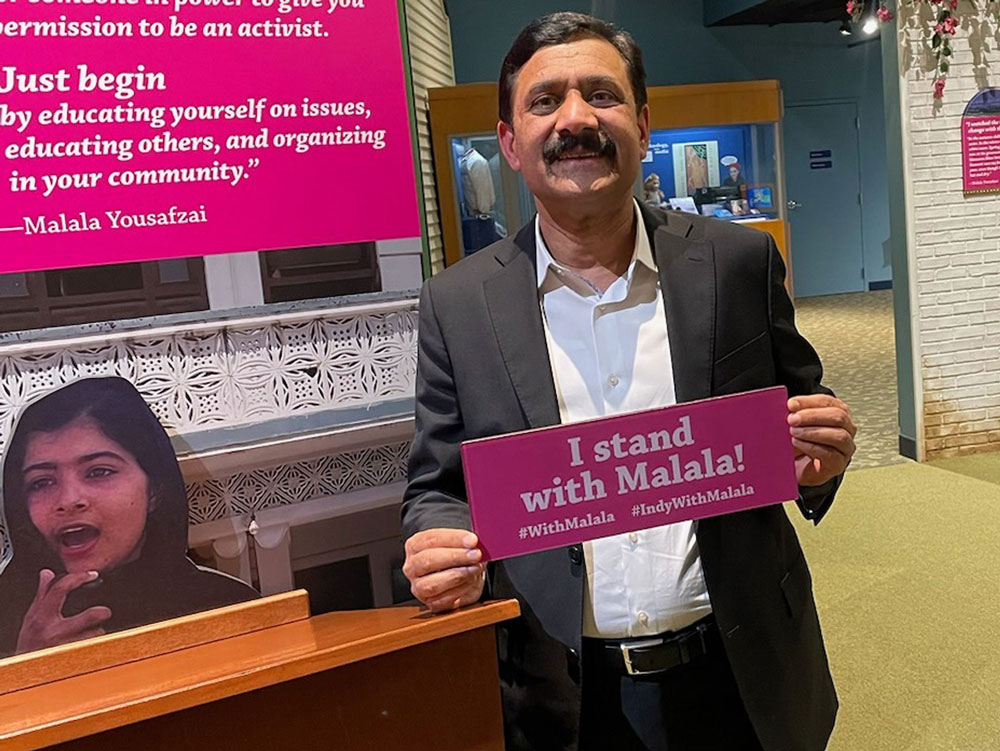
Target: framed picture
[(696, 165)]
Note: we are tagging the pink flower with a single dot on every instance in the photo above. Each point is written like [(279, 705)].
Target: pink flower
[(884, 14), (850, 7), (938, 88), (953, 4)]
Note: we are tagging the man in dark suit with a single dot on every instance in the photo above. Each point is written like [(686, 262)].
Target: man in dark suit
[(691, 636)]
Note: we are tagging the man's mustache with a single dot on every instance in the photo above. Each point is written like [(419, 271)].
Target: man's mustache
[(596, 141)]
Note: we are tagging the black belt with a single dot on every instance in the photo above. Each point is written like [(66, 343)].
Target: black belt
[(656, 654)]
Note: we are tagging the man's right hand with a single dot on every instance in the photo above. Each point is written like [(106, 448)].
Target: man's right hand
[(444, 569)]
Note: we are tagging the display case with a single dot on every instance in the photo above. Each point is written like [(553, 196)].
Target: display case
[(480, 197), (715, 149), (727, 171), (479, 194)]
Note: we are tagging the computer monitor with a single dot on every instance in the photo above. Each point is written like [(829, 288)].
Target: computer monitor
[(760, 198)]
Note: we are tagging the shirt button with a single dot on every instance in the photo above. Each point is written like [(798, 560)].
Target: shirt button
[(633, 538), (613, 381), (643, 617)]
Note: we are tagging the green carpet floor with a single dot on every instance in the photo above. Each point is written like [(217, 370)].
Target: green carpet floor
[(981, 466), (906, 571), (853, 335)]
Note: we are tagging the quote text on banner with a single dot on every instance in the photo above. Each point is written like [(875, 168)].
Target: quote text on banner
[(145, 129)]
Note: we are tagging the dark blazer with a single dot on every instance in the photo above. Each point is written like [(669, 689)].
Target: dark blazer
[(483, 369)]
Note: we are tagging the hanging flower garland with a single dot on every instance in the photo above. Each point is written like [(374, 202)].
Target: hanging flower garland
[(944, 24)]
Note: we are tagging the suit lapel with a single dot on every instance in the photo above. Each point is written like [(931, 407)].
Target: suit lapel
[(512, 301), (686, 265)]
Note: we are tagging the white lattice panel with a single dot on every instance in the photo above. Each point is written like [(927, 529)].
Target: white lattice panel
[(232, 374), (237, 373), (268, 487)]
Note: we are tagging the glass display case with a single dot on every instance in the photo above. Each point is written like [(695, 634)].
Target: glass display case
[(481, 199), (477, 164), (715, 149), (488, 197), (728, 172)]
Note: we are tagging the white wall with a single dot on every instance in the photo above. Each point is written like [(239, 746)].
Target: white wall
[(954, 249)]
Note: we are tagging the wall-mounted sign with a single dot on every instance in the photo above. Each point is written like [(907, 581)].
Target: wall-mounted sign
[(821, 154), (981, 143), (827, 164), (147, 129)]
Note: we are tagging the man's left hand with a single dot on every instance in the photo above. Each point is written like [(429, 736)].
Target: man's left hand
[(823, 436)]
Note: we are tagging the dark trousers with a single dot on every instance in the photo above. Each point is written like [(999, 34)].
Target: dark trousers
[(692, 707)]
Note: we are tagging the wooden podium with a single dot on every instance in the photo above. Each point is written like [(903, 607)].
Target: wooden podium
[(371, 679)]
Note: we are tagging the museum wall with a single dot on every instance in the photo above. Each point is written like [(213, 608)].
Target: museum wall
[(953, 239)]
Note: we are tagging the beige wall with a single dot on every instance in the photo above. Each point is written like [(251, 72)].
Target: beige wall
[(432, 63)]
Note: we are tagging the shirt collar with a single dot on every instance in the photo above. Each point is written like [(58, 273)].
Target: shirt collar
[(641, 253)]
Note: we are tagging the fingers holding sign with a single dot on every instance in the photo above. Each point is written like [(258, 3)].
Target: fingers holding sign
[(444, 569), (822, 431)]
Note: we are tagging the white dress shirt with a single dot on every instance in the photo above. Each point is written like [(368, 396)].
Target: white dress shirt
[(609, 355)]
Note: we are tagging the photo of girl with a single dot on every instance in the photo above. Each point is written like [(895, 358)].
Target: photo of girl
[(97, 517)]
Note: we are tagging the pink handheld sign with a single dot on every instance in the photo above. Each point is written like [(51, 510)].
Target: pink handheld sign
[(558, 486)]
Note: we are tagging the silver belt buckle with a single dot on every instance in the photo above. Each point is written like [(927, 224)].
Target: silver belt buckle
[(627, 647)]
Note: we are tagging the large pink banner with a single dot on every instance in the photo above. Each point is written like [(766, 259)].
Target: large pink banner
[(557, 486), (144, 129)]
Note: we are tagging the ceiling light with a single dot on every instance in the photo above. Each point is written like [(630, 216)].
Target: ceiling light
[(870, 25)]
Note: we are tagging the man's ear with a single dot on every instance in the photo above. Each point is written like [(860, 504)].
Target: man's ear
[(505, 136), (643, 120)]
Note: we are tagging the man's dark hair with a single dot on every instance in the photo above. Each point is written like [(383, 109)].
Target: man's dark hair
[(561, 28)]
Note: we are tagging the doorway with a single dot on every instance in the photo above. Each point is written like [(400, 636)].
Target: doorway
[(823, 178)]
